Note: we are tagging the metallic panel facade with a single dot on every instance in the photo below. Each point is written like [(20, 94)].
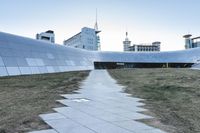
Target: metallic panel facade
[(21, 56)]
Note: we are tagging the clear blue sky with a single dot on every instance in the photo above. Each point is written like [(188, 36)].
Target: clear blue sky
[(145, 20)]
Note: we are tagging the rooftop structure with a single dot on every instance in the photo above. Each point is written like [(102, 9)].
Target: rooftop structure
[(191, 42), (46, 36), (96, 24)]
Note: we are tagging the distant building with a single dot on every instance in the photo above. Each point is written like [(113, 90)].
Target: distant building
[(155, 46), (48, 36), (191, 42), (86, 39), (145, 47), (127, 43)]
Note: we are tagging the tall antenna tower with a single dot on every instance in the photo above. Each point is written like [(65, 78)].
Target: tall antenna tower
[(96, 24)]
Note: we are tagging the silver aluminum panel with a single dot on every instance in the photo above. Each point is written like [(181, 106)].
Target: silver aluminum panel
[(20, 55)]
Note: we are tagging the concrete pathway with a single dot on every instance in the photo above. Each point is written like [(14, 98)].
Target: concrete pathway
[(99, 107)]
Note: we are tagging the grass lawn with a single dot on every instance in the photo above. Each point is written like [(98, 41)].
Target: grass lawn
[(23, 98), (172, 96)]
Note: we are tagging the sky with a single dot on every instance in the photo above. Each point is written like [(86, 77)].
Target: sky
[(145, 20)]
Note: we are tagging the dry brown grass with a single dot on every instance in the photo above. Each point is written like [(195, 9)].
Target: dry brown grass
[(23, 98), (172, 95)]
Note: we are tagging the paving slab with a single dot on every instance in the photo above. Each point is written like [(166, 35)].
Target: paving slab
[(68, 126), (108, 128), (133, 126), (52, 116), (100, 106), (45, 131)]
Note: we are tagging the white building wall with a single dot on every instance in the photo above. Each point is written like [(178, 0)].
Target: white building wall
[(89, 39), (75, 41), (127, 44), (188, 43), (86, 39)]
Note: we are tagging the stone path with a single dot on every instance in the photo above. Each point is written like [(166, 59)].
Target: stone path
[(99, 107)]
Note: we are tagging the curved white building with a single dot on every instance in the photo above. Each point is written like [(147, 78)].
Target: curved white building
[(20, 56)]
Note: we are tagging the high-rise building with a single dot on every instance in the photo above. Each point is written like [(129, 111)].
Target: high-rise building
[(87, 39), (48, 36), (191, 42)]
